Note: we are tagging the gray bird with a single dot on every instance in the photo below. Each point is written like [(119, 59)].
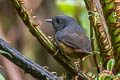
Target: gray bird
[(70, 37)]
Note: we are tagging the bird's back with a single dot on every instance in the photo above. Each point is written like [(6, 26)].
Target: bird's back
[(74, 37)]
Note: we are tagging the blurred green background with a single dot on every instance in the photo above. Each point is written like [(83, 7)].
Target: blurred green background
[(13, 30)]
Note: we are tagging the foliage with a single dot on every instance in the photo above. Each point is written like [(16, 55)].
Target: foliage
[(112, 10), (108, 73)]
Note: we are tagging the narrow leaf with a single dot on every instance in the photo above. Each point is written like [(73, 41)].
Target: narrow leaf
[(4, 52), (110, 64), (102, 76)]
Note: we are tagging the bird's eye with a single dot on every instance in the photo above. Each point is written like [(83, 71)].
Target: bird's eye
[(59, 21)]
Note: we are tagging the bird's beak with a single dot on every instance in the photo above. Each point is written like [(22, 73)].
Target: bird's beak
[(49, 20)]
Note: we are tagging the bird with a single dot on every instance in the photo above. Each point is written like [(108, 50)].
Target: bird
[(70, 37)]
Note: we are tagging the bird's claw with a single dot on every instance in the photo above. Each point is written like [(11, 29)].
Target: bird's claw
[(78, 64)]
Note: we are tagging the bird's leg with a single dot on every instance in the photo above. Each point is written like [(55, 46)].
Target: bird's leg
[(59, 49)]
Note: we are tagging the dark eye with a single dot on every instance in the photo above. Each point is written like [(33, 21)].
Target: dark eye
[(59, 21)]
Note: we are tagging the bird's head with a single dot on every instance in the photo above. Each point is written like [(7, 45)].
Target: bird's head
[(61, 21)]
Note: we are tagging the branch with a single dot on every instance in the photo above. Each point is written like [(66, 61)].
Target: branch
[(112, 14), (28, 65), (100, 28), (44, 40)]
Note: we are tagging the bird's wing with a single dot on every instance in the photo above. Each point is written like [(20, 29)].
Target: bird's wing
[(75, 39)]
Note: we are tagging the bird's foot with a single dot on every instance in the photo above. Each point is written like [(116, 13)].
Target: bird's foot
[(78, 65)]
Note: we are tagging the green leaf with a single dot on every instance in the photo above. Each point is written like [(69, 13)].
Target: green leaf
[(1, 77), (110, 64), (108, 77), (118, 74), (102, 76), (116, 77), (96, 78), (1, 51), (90, 74), (4, 52)]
